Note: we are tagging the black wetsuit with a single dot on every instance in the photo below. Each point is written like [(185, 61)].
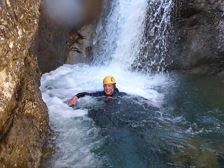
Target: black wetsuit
[(116, 93)]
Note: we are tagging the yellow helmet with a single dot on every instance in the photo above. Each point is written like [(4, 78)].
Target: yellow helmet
[(109, 80)]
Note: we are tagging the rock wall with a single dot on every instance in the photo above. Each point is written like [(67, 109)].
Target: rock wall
[(58, 44), (199, 27), (51, 43), (23, 114)]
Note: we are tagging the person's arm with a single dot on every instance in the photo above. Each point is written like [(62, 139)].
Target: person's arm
[(74, 100), (79, 95), (94, 94)]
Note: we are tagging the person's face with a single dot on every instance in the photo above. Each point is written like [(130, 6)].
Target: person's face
[(109, 89)]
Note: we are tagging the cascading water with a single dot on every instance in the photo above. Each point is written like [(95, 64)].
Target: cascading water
[(138, 39), (122, 33), (128, 132), (154, 45)]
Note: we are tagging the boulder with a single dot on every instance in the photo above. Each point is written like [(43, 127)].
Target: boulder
[(23, 114), (199, 27)]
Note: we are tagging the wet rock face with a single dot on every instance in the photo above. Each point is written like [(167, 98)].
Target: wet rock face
[(51, 43), (92, 10), (200, 29), (23, 115), (58, 42)]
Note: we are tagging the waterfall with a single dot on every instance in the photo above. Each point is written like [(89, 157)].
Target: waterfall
[(158, 31), (122, 34), (134, 34)]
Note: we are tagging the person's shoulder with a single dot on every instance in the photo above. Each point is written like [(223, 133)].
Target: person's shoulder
[(122, 94)]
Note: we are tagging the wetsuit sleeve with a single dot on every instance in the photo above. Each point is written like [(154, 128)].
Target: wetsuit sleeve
[(79, 95), (97, 94), (94, 94)]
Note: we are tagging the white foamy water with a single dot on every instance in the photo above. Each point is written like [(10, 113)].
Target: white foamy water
[(76, 134)]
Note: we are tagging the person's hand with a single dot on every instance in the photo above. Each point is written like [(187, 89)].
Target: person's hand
[(73, 101)]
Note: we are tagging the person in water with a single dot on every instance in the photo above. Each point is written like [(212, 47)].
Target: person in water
[(110, 90)]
